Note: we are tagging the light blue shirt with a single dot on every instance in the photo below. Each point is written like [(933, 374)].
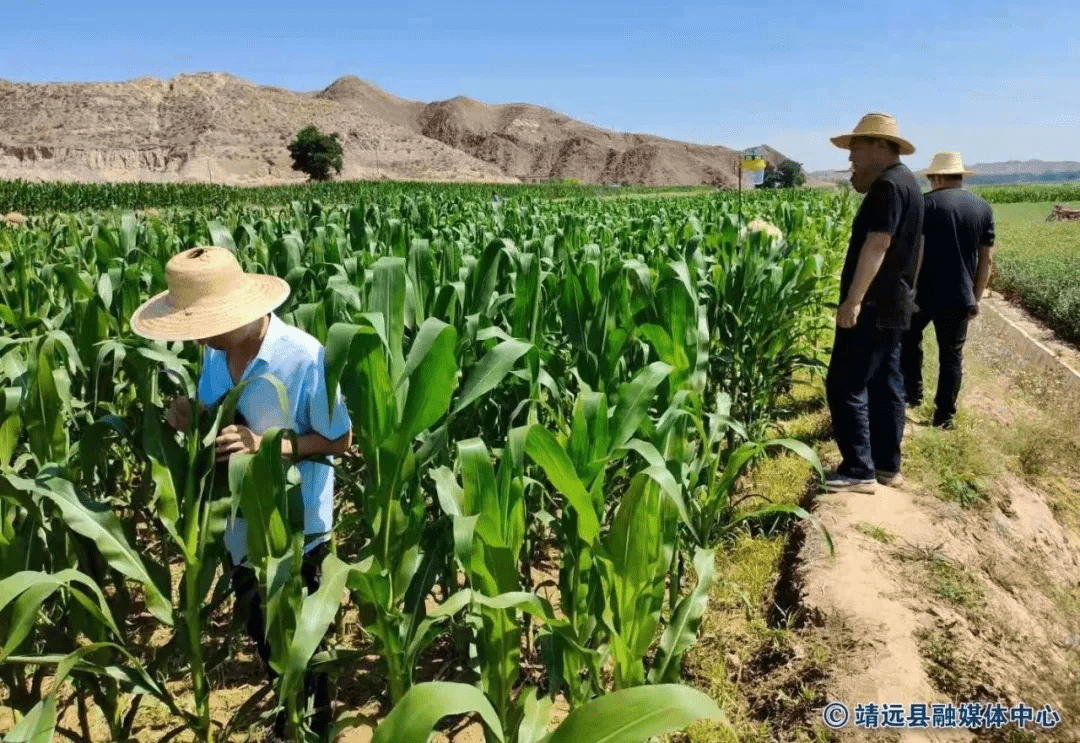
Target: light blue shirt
[(299, 361)]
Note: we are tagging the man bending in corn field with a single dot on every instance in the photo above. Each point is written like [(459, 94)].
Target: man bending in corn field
[(230, 313), (958, 233), (864, 386)]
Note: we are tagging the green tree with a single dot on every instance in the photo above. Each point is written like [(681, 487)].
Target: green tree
[(315, 153), (787, 174)]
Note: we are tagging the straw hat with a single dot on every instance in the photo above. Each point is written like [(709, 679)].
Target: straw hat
[(209, 294), (946, 163), (879, 125)]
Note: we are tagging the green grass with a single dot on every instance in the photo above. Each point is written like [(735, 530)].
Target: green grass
[(783, 477), (1042, 443), (766, 679), (952, 583), (875, 532), (750, 667), (1037, 264), (735, 625), (958, 465), (946, 669), (944, 577), (1066, 599), (1027, 213)]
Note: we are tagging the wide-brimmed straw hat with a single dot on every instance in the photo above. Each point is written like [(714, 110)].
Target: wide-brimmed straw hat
[(209, 294), (878, 125), (946, 163)]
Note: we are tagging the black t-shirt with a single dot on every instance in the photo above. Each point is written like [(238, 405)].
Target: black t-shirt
[(894, 204), (955, 225)]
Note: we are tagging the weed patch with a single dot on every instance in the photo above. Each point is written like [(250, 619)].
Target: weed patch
[(875, 532), (959, 465)]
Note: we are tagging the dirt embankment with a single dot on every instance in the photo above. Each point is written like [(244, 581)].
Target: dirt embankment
[(972, 605)]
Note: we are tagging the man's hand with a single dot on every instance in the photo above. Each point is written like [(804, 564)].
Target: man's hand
[(179, 415), (237, 440), (974, 311), (847, 314)]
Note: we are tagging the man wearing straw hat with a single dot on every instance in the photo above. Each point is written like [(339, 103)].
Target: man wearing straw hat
[(863, 385), (958, 234), (230, 313)]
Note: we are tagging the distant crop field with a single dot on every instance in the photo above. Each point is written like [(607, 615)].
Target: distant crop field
[(56, 197), (1037, 264), (1056, 192)]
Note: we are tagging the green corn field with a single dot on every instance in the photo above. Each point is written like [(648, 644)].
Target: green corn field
[(1018, 194), (553, 404), (59, 197)]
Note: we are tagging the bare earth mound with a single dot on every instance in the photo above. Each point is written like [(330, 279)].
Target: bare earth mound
[(219, 128), (911, 645), (926, 602)]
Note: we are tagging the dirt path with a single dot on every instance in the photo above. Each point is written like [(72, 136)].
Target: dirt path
[(863, 603), (929, 602)]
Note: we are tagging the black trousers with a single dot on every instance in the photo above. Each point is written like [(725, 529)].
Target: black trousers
[(866, 397), (249, 609), (950, 327)]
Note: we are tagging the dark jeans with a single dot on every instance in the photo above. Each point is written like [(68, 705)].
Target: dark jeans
[(866, 397), (249, 609), (950, 327)]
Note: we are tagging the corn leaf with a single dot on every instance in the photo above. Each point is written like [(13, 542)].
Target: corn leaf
[(388, 298), (490, 371), (99, 524), (29, 589), (431, 370), (535, 716), (38, 726), (681, 632), (545, 451), (635, 715), (318, 611), (414, 718), (635, 397)]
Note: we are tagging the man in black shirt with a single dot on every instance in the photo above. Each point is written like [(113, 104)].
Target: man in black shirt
[(864, 385), (958, 234)]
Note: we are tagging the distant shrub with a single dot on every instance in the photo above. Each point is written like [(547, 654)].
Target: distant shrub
[(315, 153)]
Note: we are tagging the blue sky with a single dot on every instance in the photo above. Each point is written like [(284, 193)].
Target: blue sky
[(996, 81)]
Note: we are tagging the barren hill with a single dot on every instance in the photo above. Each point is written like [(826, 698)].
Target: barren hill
[(530, 142), (216, 127), (1033, 167), (1026, 171), (768, 154), (1011, 171)]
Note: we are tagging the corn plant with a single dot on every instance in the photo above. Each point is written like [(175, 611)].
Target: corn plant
[(269, 494), (626, 716), (489, 532), (603, 577), (395, 401), (758, 348)]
